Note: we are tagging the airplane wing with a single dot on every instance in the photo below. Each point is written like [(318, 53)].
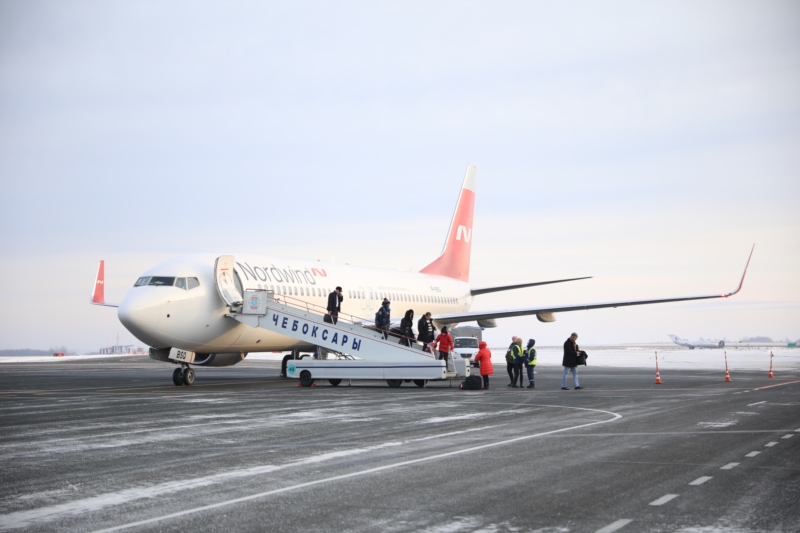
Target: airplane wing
[(545, 314), (486, 290), (98, 292)]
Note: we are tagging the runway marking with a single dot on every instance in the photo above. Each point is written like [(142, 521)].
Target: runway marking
[(770, 444), (777, 384), (664, 499), (619, 524), (616, 416), (752, 454), (757, 403), (729, 466), (701, 480), (789, 436)]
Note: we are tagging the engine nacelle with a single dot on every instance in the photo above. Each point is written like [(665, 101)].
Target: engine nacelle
[(487, 323), (546, 317)]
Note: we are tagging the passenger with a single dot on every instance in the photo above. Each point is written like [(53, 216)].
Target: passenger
[(407, 327), (335, 304), (530, 361), (510, 361), (383, 318), (484, 360), (570, 362), (519, 359), (444, 343), (426, 330)]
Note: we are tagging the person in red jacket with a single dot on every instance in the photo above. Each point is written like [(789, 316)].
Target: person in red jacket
[(444, 343), (484, 360)]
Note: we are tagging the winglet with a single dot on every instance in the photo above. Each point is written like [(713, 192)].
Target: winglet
[(99, 291), (741, 282)]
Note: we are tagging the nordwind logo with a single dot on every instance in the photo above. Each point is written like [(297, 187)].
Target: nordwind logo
[(467, 232)]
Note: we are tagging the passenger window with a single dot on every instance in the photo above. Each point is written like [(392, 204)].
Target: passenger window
[(295, 291), (181, 283), (192, 283), (162, 281), (142, 281)]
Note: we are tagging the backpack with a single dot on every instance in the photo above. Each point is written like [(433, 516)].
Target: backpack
[(510, 355), (380, 317), (471, 383)]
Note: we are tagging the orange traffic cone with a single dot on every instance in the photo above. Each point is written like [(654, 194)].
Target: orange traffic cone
[(727, 374), (771, 375), (658, 375)]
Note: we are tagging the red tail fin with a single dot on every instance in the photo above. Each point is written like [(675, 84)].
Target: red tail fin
[(99, 291), (454, 261)]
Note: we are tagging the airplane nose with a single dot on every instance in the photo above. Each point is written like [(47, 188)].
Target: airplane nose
[(139, 313)]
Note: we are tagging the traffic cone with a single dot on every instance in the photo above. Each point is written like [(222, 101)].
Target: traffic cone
[(771, 375), (727, 374), (658, 375)]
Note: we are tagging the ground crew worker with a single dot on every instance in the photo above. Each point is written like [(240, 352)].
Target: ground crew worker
[(510, 362), (530, 361), (518, 352)]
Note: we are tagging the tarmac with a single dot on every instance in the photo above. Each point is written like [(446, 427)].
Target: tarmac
[(113, 445)]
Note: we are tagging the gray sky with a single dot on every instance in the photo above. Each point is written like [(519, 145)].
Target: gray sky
[(646, 144)]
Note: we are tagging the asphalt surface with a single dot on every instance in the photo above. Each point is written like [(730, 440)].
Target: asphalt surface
[(113, 445)]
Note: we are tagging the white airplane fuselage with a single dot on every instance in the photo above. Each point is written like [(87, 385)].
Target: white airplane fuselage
[(194, 319)]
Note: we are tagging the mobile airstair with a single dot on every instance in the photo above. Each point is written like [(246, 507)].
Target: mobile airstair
[(358, 350)]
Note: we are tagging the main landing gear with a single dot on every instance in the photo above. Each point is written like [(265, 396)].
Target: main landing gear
[(183, 376)]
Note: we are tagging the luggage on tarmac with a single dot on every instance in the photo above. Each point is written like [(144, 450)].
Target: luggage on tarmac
[(471, 383)]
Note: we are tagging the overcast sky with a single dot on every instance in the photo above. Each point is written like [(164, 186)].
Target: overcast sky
[(646, 144)]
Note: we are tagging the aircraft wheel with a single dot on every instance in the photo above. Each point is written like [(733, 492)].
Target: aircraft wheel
[(394, 383), (305, 378), (334, 382), (177, 377), (188, 377), (419, 382)]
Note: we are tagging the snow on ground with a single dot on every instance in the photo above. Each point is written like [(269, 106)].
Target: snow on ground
[(751, 359), (53, 359)]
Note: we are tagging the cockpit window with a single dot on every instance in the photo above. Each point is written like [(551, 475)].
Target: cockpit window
[(192, 283), (181, 283), (162, 281), (142, 281)]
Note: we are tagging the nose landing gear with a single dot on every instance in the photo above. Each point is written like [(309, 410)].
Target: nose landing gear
[(183, 376)]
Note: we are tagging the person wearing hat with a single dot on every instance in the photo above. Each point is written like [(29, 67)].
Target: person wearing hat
[(530, 361), (335, 304), (444, 343), (383, 318)]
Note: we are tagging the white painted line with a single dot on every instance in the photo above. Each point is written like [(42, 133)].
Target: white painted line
[(770, 444), (664, 499), (757, 403), (700, 480), (789, 436), (360, 473), (729, 466), (619, 524), (752, 454)]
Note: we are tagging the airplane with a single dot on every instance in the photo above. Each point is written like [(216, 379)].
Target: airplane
[(177, 304), (696, 344)]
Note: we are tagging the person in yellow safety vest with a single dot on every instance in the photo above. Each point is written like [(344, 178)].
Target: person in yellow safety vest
[(530, 361), (518, 354)]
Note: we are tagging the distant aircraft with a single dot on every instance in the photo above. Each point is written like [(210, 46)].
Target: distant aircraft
[(185, 303), (696, 344)]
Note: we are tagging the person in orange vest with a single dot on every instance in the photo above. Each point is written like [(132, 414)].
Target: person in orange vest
[(444, 343), (484, 360)]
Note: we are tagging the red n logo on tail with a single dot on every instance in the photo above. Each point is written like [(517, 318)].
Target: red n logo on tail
[(454, 261)]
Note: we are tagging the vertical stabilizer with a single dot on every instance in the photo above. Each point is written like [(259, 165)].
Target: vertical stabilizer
[(99, 290), (454, 261)]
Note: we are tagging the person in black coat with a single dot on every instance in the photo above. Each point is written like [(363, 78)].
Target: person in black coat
[(407, 327), (570, 362), (335, 304), (426, 330)]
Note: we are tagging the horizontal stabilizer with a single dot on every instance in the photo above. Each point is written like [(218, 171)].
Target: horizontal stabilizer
[(499, 288)]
